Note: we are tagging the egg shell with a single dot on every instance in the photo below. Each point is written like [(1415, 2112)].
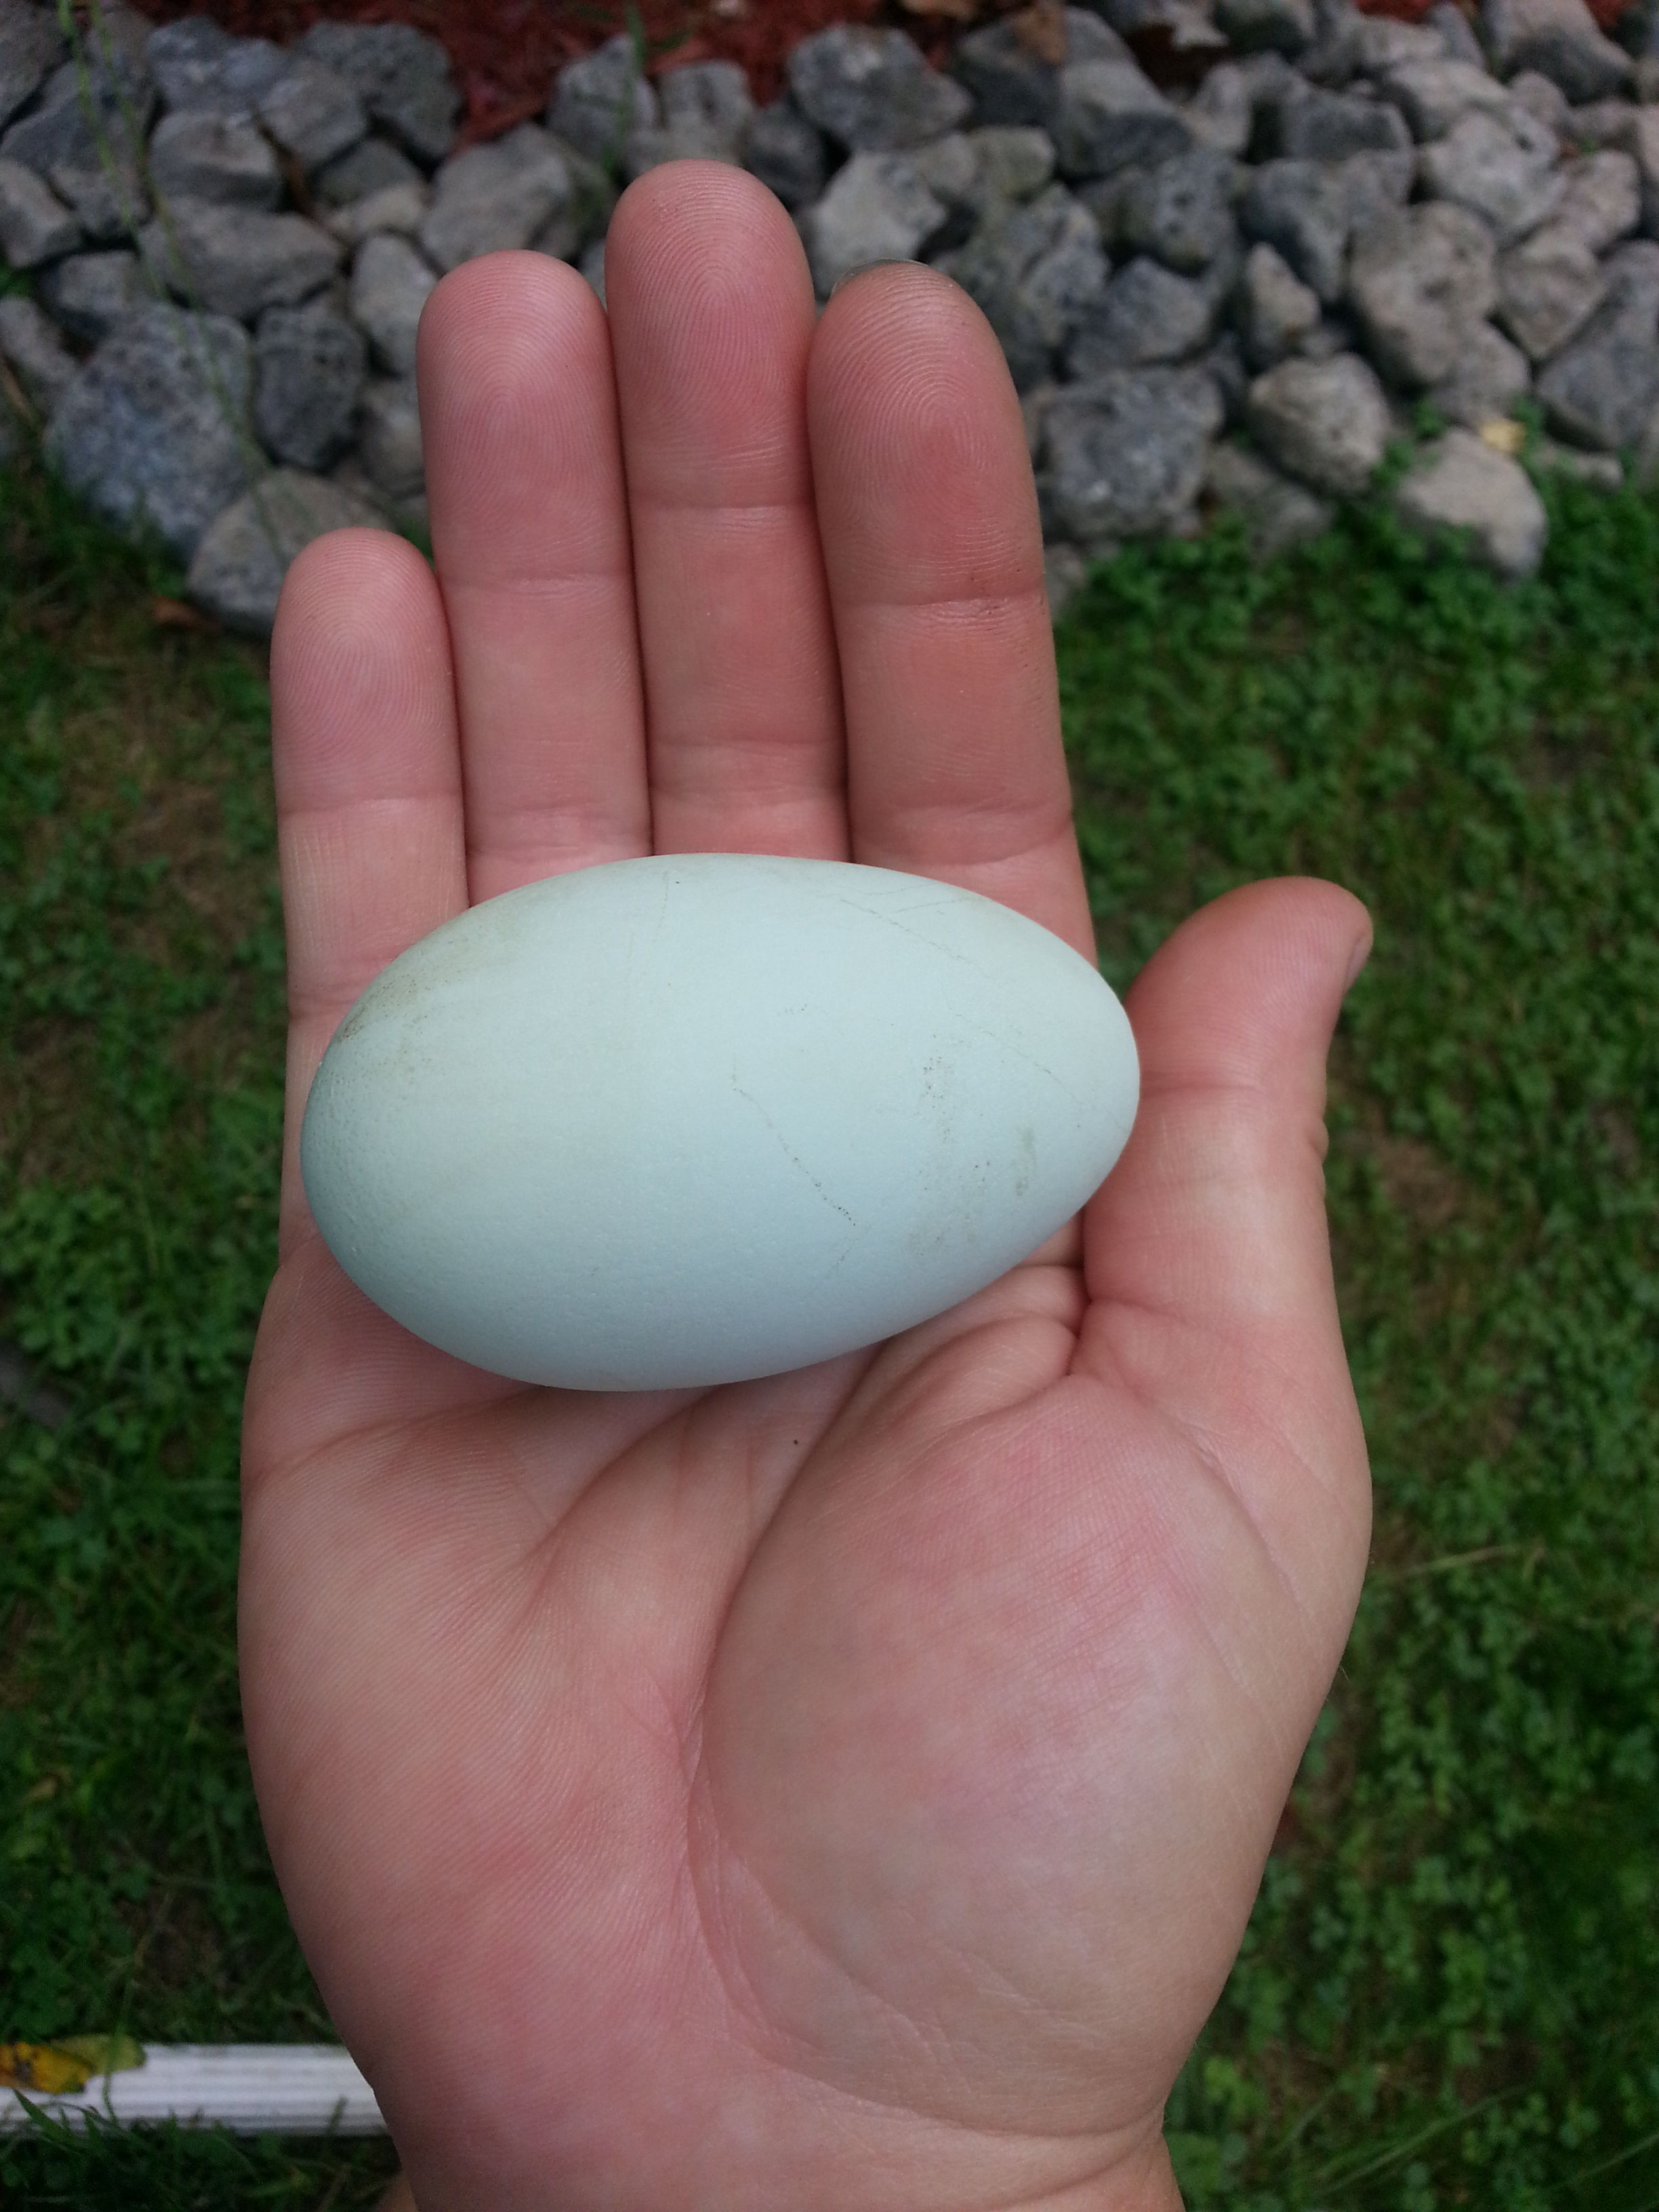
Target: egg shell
[(692, 1119)]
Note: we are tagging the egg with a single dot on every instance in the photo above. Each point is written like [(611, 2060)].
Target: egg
[(693, 1119)]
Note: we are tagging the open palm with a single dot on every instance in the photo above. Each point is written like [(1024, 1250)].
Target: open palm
[(846, 1790)]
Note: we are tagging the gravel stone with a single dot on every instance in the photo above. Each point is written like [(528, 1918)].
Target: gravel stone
[(1127, 452), (155, 431), (31, 47), (1276, 511), (1326, 422), (1333, 60), (592, 267), (1601, 390), (309, 365), (1600, 124), (1302, 209), (238, 569), (1033, 271), (233, 261), (1432, 96), (1180, 210), (1385, 45), (1488, 378), (312, 113), (1548, 288), (90, 293), (198, 156), (872, 91), (1275, 309), (1310, 125), (1287, 26), (790, 156), (373, 167), (389, 286), (1418, 282), (598, 101), (705, 108), (1111, 116), (1146, 315), (34, 224), (1013, 163), (1543, 100), (400, 208), (1558, 38), (495, 196), (390, 437), (1013, 77), (1602, 203), (30, 345), (198, 66), (877, 208), (587, 214), (1456, 34), (1503, 171), (1221, 113), (401, 76), (1462, 483)]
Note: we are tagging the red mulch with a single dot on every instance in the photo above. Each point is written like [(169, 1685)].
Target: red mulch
[(506, 52)]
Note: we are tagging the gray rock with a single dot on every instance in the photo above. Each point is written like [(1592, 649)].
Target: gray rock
[(312, 113), (1432, 96), (1276, 511), (1012, 162), (373, 167), (198, 66), (400, 208), (389, 286), (706, 108), (309, 365), (790, 156), (77, 130), (1065, 572), (1549, 287), (109, 201), (1333, 60), (872, 91), (1146, 315), (1558, 38), (90, 293), (34, 224), (1487, 381), (30, 345), (1275, 309), (600, 100), (1312, 126), (1418, 281), (1385, 45), (31, 47), (1109, 116), (1286, 25), (1644, 145), (1645, 465), (592, 267), (1504, 171), (1456, 34), (1012, 73), (198, 156), (1601, 388), (587, 214), (389, 438), (1221, 113), (1600, 124), (877, 208), (1032, 271), (238, 568), (401, 76), (1603, 471), (1462, 483), (1377, 185), (1543, 100), (1602, 203), (1227, 369), (1326, 422), (233, 261), (1180, 210), (1302, 209), (493, 197), (155, 431), (1127, 452)]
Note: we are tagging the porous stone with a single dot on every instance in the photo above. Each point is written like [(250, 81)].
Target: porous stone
[(1146, 315), (312, 113), (70, 139), (1604, 471), (1543, 100), (1276, 511), (400, 208), (198, 67), (37, 356), (1385, 45), (1126, 452), (389, 286), (493, 197), (877, 208), (1600, 124), (1312, 125), (1065, 572), (1032, 271), (790, 156), (872, 91), (1287, 27), (390, 437), (34, 224), (1302, 209), (1221, 113), (1504, 170), (1559, 39), (238, 568), (705, 108), (1432, 94), (1602, 202), (1109, 116), (1180, 210), (1549, 287), (373, 165), (1418, 282), (1326, 422), (88, 293), (1644, 145), (1275, 309), (31, 47), (600, 100), (1333, 60), (1485, 381), (309, 365), (585, 215), (234, 261), (1601, 388), (1377, 184), (155, 431), (949, 167), (1456, 34), (401, 76), (1012, 162), (1462, 483), (198, 155), (1011, 68)]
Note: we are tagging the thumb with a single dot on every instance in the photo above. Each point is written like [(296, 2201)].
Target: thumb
[(1207, 1252)]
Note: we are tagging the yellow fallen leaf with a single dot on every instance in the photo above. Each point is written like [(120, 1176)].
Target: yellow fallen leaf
[(105, 2054), (62, 2069), (1502, 435)]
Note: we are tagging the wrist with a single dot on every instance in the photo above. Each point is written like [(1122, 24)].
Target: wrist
[(1145, 2183)]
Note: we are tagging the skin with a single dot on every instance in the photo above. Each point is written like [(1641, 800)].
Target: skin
[(842, 1792)]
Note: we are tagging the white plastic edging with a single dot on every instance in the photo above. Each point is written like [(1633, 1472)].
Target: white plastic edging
[(252, 2088)]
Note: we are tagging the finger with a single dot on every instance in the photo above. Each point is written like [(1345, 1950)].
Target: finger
[(933, 547), (368, 776), (1207, 1254), (712, 318), (530, 540)]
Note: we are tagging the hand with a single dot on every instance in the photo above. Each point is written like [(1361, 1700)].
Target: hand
[(843, 1792)]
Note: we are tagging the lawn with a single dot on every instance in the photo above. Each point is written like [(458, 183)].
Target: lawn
[(1449, 1991)]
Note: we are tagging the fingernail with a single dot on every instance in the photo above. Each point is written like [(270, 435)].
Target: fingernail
[(1362, 953)]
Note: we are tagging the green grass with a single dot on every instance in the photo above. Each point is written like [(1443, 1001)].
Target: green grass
[(1449, 1992)]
